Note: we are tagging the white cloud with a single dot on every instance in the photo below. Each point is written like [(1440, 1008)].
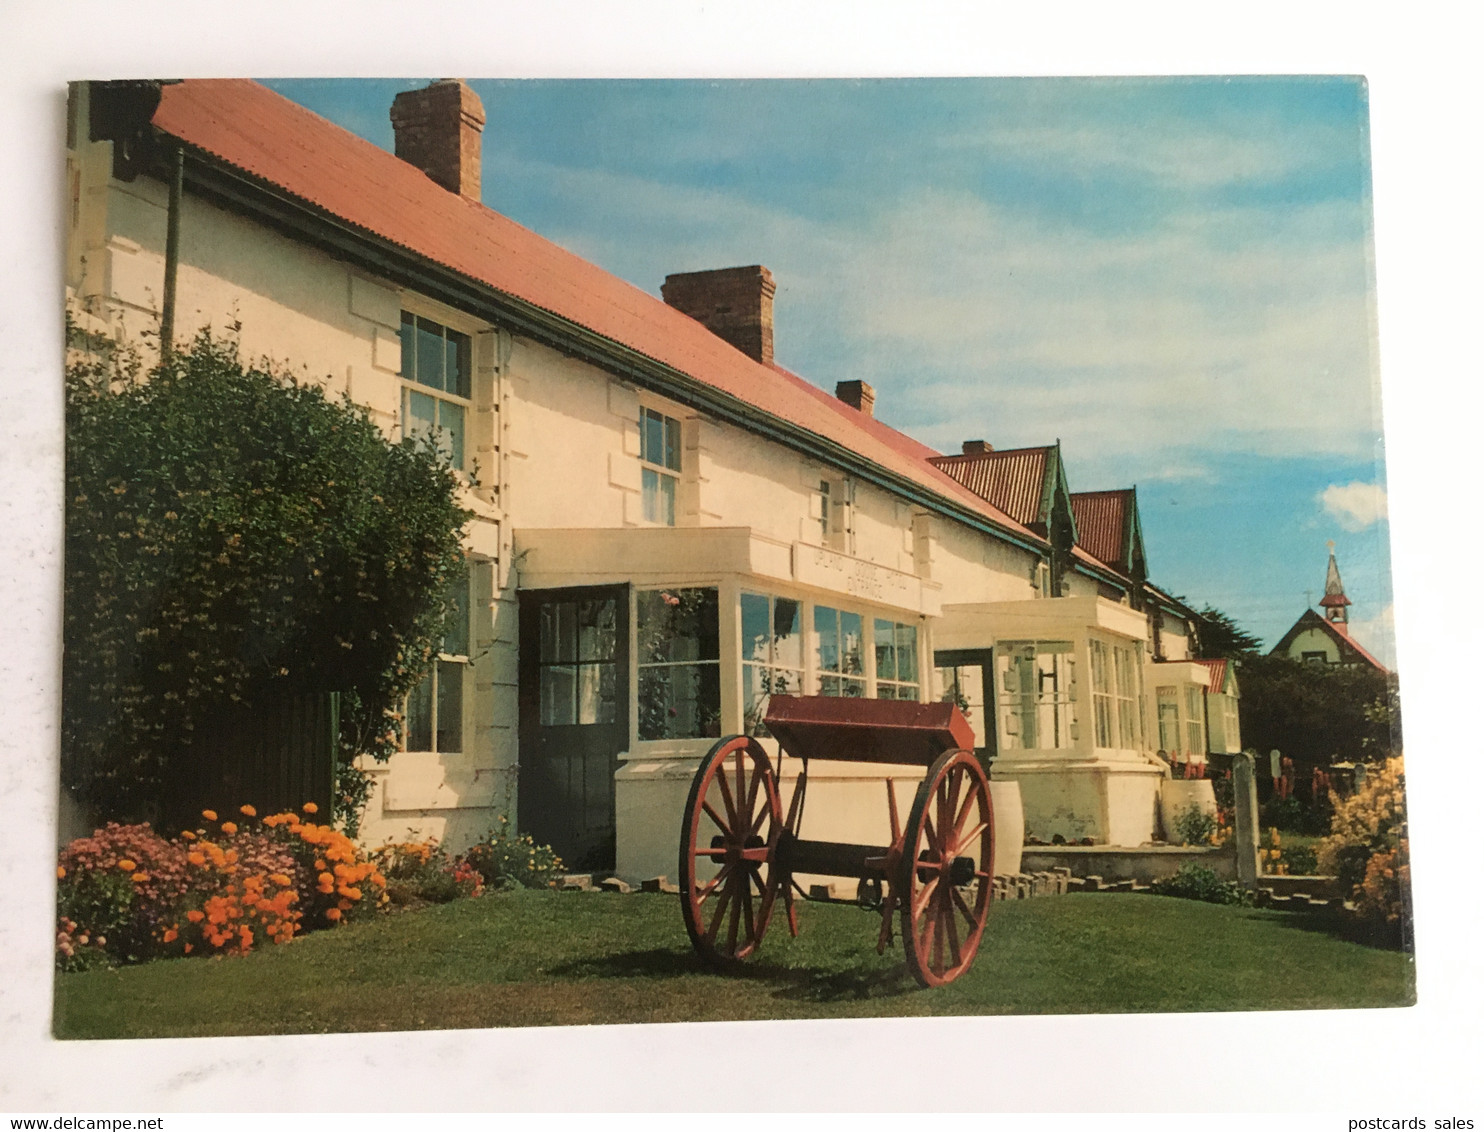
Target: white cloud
[(1356, 505), (1210, 331)]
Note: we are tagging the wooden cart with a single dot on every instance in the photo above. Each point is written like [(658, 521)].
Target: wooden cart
[(739, 853)]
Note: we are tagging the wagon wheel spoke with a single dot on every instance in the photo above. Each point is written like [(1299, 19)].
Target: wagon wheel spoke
[(726, 829), (924, 894), (721, 910), (735, 900), (745, 899), (708, 852), (757, 822), (963, 906), (937, 949), (950, 922), (963, 816), (752, 788), (968, 839), (726, 797), (946, 820), (741, 787), (719, 878)]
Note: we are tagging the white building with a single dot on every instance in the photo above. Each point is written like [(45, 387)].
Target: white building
[(667, 524)]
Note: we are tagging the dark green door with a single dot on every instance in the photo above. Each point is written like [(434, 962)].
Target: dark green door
[(574, 718)]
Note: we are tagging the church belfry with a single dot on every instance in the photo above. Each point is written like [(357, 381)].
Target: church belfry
[(1334, 600)]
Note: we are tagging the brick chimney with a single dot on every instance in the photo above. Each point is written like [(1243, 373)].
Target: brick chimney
[(438, 130), (977, 448), (734, 303), (858, 395)]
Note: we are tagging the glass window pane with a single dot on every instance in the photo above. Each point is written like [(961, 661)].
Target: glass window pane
[(566, 631), (558, 695), (907, 652), (852, 644), (607, 693), (589, 692), (755, 628), (451, 420), (450, 707), (420, 415), (456, 626), (429, 354), (420, 716), (677, 625), (597, 633), (456, 364), (827, 640), (681, 701), (651, 436), (667, 500), (672, 443), (650, 479), (788, 643), (886, 653), (409, 347)]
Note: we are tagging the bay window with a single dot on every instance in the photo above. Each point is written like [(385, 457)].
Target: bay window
[(1038, 692), (896, 660), (772, 654), (840, 652)]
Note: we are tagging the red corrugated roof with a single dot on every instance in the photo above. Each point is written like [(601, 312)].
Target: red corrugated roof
[(1217, 680), (1102, 522), (1013, 480), (262, 133)]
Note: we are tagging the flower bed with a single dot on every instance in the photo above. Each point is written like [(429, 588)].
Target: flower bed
[(125, 894)]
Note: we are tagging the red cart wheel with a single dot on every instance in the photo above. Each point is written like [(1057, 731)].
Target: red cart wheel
[(728, 879), (948, 851)]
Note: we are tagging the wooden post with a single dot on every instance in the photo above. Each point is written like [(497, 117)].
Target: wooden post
[(1245, 837)]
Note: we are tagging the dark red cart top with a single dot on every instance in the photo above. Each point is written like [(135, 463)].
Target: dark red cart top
[(867, 731)]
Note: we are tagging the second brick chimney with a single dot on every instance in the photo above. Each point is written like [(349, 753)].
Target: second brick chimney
[(438, 130), (734, 303), (977, 448), (858, 395)]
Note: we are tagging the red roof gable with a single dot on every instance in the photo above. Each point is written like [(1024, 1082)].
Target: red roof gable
[(1102, 523), (1217, 682), (1014, 480), (262, 133)]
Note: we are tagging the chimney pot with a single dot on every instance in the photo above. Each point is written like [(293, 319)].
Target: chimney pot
[(858, 395), (977, 448), (437, 129), (734, 303)]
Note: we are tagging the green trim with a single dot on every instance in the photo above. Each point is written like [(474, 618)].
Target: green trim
[(224, 184)]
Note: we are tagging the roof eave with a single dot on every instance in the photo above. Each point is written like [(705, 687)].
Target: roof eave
[(240, 191)]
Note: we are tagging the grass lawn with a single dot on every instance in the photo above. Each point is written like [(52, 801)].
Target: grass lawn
[(547, 958)]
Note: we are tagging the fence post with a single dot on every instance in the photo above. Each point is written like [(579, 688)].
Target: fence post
[(1244, 789)]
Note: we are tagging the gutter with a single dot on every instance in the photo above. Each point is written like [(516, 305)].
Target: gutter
[(225, 185)]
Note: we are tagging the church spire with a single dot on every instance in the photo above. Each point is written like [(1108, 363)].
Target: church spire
[(1334, 600)]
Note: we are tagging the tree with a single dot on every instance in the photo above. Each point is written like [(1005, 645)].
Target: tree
[(1223, 637), (1316, 714), (231, 535)]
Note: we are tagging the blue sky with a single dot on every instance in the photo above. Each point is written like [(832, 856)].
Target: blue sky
[(1173, 277)]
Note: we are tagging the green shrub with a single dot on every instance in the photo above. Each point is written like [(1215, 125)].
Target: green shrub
[(1197, 882), (504, 858), (1194, 826), (421, 870)]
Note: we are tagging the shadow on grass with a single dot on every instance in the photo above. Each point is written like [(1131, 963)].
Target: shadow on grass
[(1339, 925), (799, 984)]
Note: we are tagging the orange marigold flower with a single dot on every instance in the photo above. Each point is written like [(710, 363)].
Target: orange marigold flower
[(209, 815), (188, 948), (230, 856), (353, 893), (195, 915), (127, 865), (279, 879), (187, 835), (229, 827), (326, 878), (309, 808), (139, 878), (170, 935), (249, 811), (332, 914), (196, 858), (61, 872)]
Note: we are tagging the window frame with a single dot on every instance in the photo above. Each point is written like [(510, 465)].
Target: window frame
[(461, 340), (659, 480), (443, 661)]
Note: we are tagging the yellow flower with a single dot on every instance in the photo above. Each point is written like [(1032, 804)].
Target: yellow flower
[(249, 811), (127, 865), (209, 815)]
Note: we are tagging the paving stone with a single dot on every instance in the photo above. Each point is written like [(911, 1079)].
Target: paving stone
[(613, 884), (653, 884), (1122, 885), (576, 882), (1092, 884)]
